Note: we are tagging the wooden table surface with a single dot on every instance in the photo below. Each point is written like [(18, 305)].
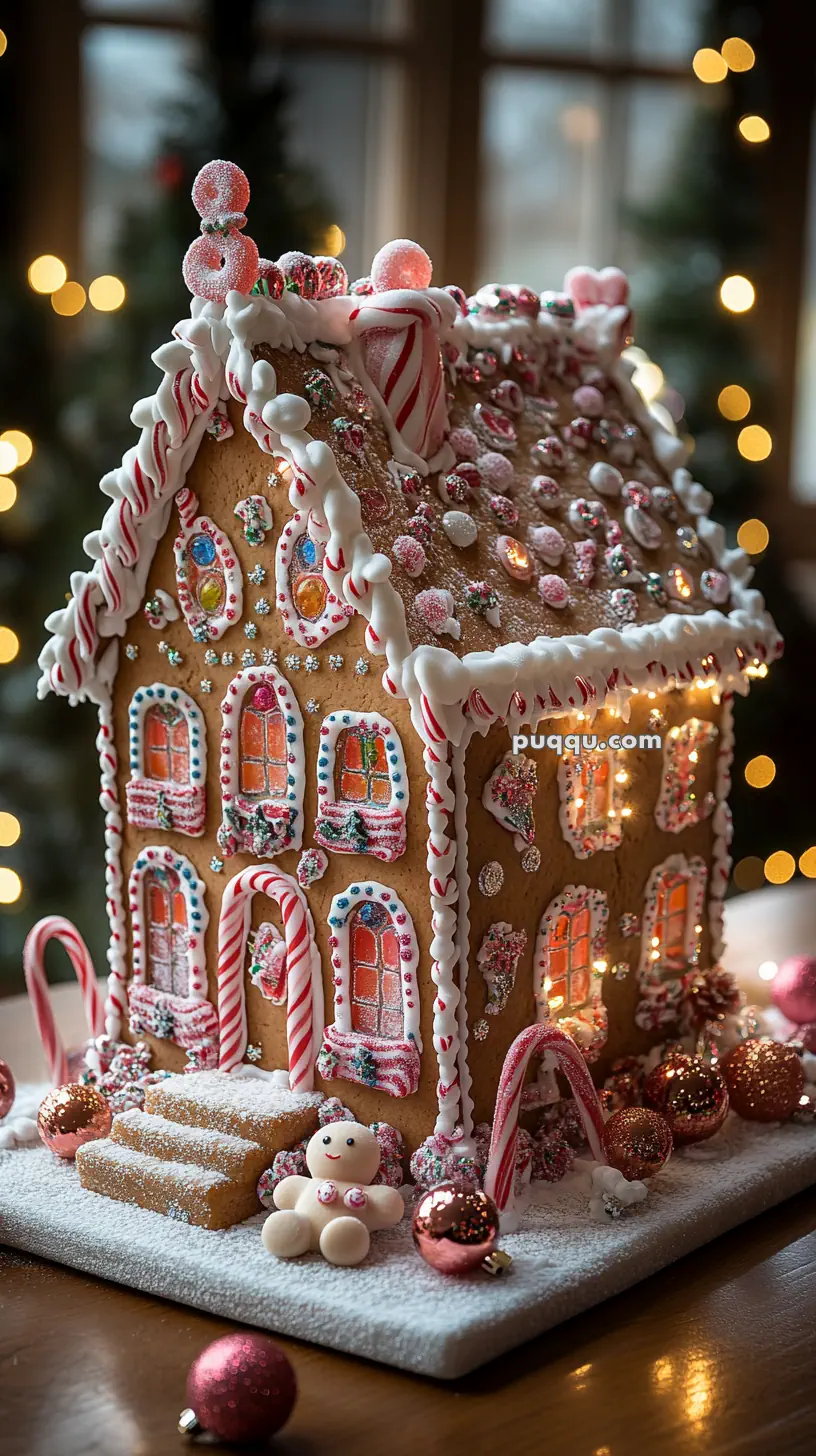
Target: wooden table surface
[(713, 1355)]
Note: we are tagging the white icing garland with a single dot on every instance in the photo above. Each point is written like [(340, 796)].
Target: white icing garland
[(116, 1002)]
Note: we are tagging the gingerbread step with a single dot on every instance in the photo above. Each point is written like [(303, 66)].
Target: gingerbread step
[(182, 1191), (147, 1132), (246, 1107)]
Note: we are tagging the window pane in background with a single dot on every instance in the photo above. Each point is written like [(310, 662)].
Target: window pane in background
[(151, 9), (523, 25), (804, 420), (669, 32), (131, 78), (663, 31), (383, 17)]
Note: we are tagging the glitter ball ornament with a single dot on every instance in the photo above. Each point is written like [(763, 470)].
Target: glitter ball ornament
[(637, 1141), (455, 1229), (70, 1116), (241, 1388), (794, 989), (765, 1080), (6, 1089), (691, 1095)]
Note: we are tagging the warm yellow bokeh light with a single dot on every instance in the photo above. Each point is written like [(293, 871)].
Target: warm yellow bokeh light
[(779, 867), (737, 293), (749, 874), (106, 293), (47, 273), (10, 829), (334, 241), (733, 402), (760, 771), (648, 379), (19, 441), (753, 536), (737, 54), (708, 66), (3, 42), (754, 442), (8, 493), (754, 128), (9, 459), (11, 886), (68, 300), (807, 863), (9, 644)]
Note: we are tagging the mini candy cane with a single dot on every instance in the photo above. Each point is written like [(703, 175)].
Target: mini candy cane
[(221, 260), (54, 927), (534, 1041)]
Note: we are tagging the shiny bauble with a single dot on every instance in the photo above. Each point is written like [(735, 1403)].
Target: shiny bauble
[(6, 1088), (692, 1096), (794, 989), (765, 1080), (637, 1141), (70, 1116), (454, 1228), (241, 1388)]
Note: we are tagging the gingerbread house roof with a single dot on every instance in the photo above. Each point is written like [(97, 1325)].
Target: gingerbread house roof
[(494, 496)]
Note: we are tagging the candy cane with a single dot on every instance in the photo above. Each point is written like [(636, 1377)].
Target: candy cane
[(54, 927), (534, 1041), (304, 1023)]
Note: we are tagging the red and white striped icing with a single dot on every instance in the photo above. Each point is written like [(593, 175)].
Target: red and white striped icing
[(54, 927)]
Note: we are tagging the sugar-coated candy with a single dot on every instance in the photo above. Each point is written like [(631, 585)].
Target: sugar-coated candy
[(464, 443), (579, 432), (484, 601), (220, 190), (215, 264), (586, 517), (664, 501), (436, 607), (468, 472), (420, 529), (504, 510), (642, 528), (624, 604), (332, 278), (401, 264), (549, 451), (495, 469), (545, 491), (508, 396), (588, 286), (460, 528), (548, 543), (270, 279), (300, 274), (553, 591), (606, 479), (588, 401), (361, 287), (410, 555), (586, 553), (636, 494), (688, 542), (454, 488), (459, 297)]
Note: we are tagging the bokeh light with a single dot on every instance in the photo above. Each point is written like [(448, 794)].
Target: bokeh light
[(749, 873), (19, 441), (106, 293), (8, 493), (10, 829), (737, 54), (47, 273), (11, 886), (754, 442), (737, 293), (754, 128), (3, 42), (733, 402), (807, 863), (767, 970), (333, 243), (780, 867), (9, 644), (709, 66), (648, 380), (760, 772), (68, 300), (9, 459), (753, 536)]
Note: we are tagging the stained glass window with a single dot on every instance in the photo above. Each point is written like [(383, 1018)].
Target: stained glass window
[(376, 999), (670, 923), (167, 965), (362, 768), (569, 959), (263, 757), (167, 745)]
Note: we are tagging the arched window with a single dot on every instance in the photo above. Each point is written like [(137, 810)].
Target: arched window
[(309, 610), (362, 786), (680, 803), (672, 925), (671, 913), (570, 960), (168, 761), (208, 577), (376, 1001), (166, 907), (261, 765), (591, 813), (374, 1038)]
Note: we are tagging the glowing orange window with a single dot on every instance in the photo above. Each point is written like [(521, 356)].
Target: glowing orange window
[(167, 967), (376, 1000), (263, 765), (671, 912), (167, 745), (362, 768), (592, 802), (569, 964)]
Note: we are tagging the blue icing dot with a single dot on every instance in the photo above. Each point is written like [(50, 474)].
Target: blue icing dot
[(139, 697), (400, 794), (202, 550), (195, 774), (397, 778), (346, 717), (323, 777), (355, 889), (390, 746), (307, 551), (342, 901), (150, 693), (187, 875)]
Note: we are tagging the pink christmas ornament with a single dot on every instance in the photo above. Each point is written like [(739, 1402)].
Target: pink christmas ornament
[(794, 989), (241, 1388), (454, 1228), (410, 555), (70, 1116), (401, 264), (554, 591), (495, 469)]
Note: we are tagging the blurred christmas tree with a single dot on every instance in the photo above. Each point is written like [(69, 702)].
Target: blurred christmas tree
[(75, 406), (707, 226)]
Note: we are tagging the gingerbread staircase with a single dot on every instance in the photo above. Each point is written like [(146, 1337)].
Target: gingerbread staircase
[(197, 1150)]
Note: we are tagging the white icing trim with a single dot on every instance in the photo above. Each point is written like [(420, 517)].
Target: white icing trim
[(158, 856), (116, 1000), (695, 872), (587, 1024), (462, 943), (343, 907), (205, 626), (385, 823), (335, 615), (285, 814), (444, 887), (186, 802), (722, 825)]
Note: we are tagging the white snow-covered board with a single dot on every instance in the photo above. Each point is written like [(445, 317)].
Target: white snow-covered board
[(393, 1308)]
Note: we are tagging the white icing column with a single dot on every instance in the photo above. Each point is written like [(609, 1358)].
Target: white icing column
[(723, 826), (116, 1003)]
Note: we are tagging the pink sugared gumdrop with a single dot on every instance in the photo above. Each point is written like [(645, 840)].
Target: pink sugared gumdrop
[(401, 264), (794, 989), (219, 189), (495, 469), (410, 554), (587, 286), (215, 264), (554, 591), (464, 443), (332, 277)]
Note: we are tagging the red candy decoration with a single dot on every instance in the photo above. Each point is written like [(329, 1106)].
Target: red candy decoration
[(332, 278), (221, 259), (221, 192), (241, 1388), (270, 279), (300, 273), (401, 264)]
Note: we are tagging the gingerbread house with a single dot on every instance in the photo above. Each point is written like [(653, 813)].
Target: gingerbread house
[(414, 648)]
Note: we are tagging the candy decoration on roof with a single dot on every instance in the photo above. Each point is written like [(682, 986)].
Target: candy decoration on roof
[(509, 795), (410, 555), (270, 279), (332, 278), (603, 316), (605, 479), (548, 544), (484, 601), (221, 259), (436, 608), (553, 591), (300, 274)]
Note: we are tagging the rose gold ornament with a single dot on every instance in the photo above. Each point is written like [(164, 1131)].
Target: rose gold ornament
[(241, 1388), (765, 1080), (455, 1229), (794, 989), (70, 1116), (6, 1088), (637, 1141), (691, 1095)]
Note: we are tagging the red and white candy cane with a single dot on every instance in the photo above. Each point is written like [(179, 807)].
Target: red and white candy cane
[(534, 1042), (54, 927), (302, 971)]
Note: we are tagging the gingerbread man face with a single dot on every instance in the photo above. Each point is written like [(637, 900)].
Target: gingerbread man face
[(345, 1152)]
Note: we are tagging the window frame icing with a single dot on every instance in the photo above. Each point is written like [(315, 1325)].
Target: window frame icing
[(232, 839), (695, 872), (202, 626), (145, 796), (600, 835), (587, 1024), (385, 824), (671, 817), (335, 615)]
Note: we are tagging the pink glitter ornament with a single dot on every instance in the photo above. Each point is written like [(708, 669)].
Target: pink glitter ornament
[(793, 989), (495, 469), (241, 1388), (504, 510), (401, 264), (300, 274), (410, 555), (455, 1229), (554, 591), (464, 443), (332, 278), (70, 1116), (548, 543), (588, 401), (270, 279)]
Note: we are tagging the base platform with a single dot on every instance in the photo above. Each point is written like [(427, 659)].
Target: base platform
[(393, 1308)]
